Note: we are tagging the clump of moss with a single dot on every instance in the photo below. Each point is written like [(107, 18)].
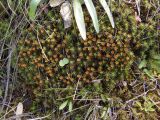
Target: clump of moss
[(99, 55)]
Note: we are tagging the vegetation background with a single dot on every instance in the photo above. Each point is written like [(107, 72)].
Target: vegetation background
[(79, 60)]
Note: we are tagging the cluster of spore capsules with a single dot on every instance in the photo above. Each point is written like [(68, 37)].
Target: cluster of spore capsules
[(94, 58)]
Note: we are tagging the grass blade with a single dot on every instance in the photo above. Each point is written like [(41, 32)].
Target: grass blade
[(93, 14), (78, 13), (63, 105), (70, 106), (106, 8), (138, 6)]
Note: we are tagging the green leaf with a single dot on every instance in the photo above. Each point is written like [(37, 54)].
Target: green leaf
[(139, 104), (70, 106), (103, 114), (142, 64), (103, 98), (149, 106), (79, 17), (150, 110), (65, 60), (148, 73), (32, 8), (155, 64), (61, 63), (93, 14), (63, 105), (156, 57), (106, 8)]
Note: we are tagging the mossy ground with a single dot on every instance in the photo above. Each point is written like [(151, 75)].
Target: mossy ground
[(114, 74)]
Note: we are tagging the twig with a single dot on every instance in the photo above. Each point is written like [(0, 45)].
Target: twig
[(18, 116), (77, 108), (12, 109), (155, 103), (8, 79), (140, 95), (75, 92), (40, 118), (11, 8), (4, 8), (42, 48)]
